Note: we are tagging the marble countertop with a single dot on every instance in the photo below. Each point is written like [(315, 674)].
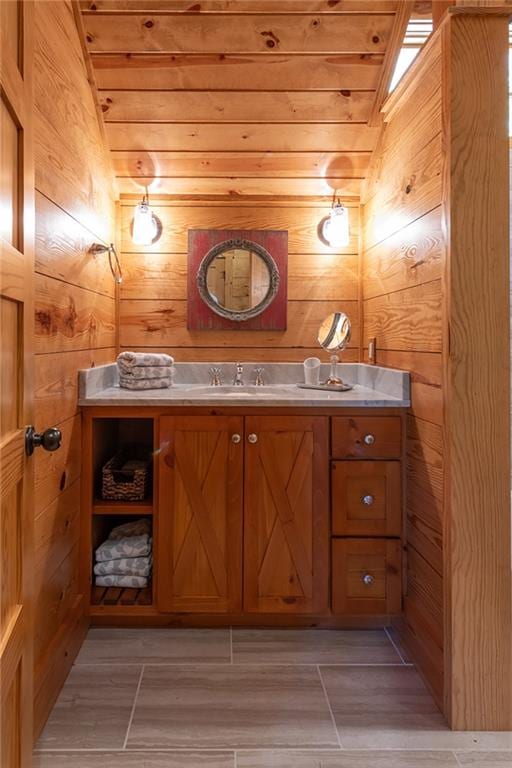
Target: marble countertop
[(373, 387)]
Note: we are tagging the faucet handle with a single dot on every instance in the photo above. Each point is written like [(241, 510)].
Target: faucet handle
[(215, 380), (259, 376)]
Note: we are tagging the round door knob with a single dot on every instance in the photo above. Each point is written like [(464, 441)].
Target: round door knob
[(50, 439), (369, 439), (235, 439), (368, 579), (368, 500), (253, 438)]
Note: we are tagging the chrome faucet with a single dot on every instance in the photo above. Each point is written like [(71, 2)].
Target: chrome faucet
[(238, 380)]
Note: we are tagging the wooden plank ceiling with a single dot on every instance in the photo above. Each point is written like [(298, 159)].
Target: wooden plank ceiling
[(242, 97)]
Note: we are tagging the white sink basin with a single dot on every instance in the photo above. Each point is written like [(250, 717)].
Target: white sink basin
[(227, 390)]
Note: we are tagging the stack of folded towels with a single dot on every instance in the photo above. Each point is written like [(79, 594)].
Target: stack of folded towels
[(125, 559), (144, 370)]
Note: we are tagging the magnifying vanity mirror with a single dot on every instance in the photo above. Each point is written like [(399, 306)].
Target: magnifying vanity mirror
[(334, 335), (238, 279)]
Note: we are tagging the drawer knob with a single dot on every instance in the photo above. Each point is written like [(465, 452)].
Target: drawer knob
[(368, 500), (368, 579), (253, 438), (369, 439), (235, 439)]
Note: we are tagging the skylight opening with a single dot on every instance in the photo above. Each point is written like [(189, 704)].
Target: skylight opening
[(417, 33)]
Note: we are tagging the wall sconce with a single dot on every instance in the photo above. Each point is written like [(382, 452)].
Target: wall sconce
[(334, 229), (96, 249), (146, 227)]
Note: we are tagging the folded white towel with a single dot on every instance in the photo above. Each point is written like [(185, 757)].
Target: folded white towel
[(135, 582), (131, 546), (147, 372), (126, 383), (128, 360), (125, 566)]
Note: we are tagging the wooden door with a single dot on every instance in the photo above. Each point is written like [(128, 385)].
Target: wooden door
[(286, 525), (16, 330), (199, 533)]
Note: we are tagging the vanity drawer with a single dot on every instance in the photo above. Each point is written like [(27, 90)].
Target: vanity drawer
[(366, 437), (366, 498), (366, 576)]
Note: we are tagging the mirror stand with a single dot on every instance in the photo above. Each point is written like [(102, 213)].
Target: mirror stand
[(333, 375)]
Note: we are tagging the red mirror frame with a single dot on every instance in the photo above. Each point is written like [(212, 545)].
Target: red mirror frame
[(200, 317)]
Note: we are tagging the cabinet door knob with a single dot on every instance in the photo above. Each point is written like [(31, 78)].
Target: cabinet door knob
[(369, 439), (235, 439), (368, 500), (252, 438), (368, 579)]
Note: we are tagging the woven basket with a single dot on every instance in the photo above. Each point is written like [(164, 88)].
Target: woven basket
[(125, 484)]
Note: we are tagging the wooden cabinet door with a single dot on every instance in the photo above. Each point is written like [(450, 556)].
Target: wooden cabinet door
[(286, 527), (199, 523), (16, 384)]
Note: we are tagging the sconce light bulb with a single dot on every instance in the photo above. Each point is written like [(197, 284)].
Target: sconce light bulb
[(144, 225), (336, 227)]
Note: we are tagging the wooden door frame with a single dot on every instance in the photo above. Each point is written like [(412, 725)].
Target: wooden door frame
[(476, 371), (16, 85)]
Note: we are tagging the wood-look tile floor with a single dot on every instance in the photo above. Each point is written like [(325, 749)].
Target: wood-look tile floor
[(246, 698)]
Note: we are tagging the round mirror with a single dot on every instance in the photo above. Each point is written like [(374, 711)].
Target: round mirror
[(238, 279), (334, 332)]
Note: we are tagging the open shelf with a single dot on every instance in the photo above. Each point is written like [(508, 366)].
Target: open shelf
[(106, 516), (121, 596), (108, 507)]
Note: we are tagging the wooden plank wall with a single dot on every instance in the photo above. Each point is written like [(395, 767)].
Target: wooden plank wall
[(402, 283), (74, 325), (153, 307), (478, 572)]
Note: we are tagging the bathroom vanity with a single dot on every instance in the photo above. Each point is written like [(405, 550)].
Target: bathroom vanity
[(270, 504)]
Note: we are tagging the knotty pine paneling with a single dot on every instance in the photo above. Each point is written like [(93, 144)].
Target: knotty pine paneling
[(164, 324), (214, 137), (153, 307), (234, 186), (337, 106), (403, 263), (207, 79), (62, 245), (311, 277), (56, 389), (410, 257), (253, 354), (196, 33), (72, 168), (74, 324), (408, 319), (68, 317), (288, 165), (300, 221), (242, 6), (231, 72)]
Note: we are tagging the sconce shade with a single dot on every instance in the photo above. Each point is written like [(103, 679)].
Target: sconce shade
[(145, 228), (336, 227)]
